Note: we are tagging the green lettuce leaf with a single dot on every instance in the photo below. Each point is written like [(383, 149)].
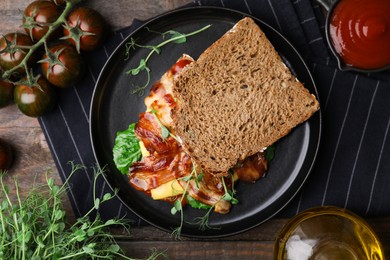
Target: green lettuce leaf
[(126, 149), (196, 203), (270, 153)]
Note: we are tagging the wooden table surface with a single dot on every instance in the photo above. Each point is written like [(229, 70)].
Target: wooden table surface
[(33, 158)]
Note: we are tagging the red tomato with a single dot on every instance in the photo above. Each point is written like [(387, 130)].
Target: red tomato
[(6, 155), (63, 66), (86, 29), (37, 16), (6, 93), (13, 49), (36, 100)]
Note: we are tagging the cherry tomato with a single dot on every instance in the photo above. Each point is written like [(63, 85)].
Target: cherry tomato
[(37, 17), (36, 100), (85, 28), (6, 93), (13, 49), (6, 155), (63, 66)]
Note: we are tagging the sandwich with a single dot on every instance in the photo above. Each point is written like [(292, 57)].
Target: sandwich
[(208, 122)]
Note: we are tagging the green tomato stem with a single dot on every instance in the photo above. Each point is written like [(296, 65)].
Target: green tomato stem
[(61, 19)]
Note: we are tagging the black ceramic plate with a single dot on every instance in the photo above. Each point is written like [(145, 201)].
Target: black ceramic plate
[(114, 108)]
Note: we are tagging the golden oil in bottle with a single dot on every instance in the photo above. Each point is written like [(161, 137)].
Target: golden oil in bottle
[(328, 233)]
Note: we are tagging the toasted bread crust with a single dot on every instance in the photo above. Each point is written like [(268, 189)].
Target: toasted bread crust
[(237, 99)]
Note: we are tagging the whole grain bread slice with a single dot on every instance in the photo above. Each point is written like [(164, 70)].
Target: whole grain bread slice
[(237, 99)]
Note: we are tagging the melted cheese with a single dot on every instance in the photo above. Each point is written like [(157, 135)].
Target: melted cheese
[(166, 190), (144, 152)]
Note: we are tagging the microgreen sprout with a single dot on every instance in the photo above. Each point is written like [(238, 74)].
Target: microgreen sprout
[(164, 130), (178, 204), (229, 194), (175, 37), (203, 222), (198, 179), (36, 227)]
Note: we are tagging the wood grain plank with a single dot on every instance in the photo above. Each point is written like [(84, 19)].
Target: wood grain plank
[(199, 250), (123, 12), (118, 13), (265, 232)]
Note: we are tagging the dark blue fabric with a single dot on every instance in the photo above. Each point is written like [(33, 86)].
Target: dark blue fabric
[(352, 169)]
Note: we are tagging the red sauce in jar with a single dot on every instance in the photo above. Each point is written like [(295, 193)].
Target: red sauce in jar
[(360, 32)]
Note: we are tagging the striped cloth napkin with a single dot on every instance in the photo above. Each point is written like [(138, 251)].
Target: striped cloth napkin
[(352, 169)]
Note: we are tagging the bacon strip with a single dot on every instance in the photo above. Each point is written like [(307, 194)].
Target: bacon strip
[(167, 160), (210, 192)]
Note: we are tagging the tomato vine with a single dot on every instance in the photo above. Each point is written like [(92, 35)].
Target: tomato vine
[(62, 65)]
